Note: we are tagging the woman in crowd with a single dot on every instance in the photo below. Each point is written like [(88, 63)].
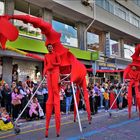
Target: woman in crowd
[(34, 108), (16, 102), (62, 101), (112, 97), (7, 97), (68, 94)]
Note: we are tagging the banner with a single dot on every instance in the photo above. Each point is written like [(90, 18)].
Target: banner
[(107, 44)]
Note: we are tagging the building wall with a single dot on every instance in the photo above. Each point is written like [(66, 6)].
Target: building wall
[(105, 17), (117, 23), (76, 5)]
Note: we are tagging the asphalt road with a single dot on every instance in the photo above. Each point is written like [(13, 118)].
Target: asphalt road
[(118, 127)]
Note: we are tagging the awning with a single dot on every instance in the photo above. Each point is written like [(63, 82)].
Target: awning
[(109, 71), (104, 71)]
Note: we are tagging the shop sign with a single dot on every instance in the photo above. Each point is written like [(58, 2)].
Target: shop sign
[(105, 68), (107, 65), (107, 44)]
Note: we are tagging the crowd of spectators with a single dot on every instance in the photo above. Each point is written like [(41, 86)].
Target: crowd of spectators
[(15, 97), (101, 96)]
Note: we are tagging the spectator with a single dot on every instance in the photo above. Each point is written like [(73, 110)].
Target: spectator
[(62, 101), (96, 98), (13, 85), (34, 108), (45, 94), (22, 90), (120, 91), (112, 98), (91, 98), (16, 102), (1, 95), (102, 90), (7, 98), (5, 121), (106, 99), (68, 94), (39, 95), (28, 81)]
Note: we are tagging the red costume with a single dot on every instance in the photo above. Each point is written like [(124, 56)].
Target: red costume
[(69, 64), (112, 99), (52, 63), (132, 72)]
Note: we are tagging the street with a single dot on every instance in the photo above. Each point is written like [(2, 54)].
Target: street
[(118, 127)]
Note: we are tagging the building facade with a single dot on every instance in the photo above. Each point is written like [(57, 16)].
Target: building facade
[(110, 27)]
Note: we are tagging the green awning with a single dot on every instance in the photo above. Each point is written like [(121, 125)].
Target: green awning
[(28, 44), (38, 46)]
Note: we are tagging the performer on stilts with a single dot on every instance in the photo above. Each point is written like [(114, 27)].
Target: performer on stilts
[(74, 68), (51, 70)]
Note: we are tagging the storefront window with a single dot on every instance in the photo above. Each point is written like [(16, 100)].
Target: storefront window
[(128, 51), (114, 47), (27, 29), (1, 7), (22, 69), (92, 40), (69, 34)]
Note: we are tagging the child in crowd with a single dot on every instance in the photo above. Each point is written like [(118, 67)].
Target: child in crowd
[(106, 99), (35, 110), (5, 121)]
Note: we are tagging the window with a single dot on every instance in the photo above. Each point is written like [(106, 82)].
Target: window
[(135, 21), (128, 51), (69, 34), (92, 40), (111, 8), (137, 2), (121, 13), (32, 10), (100, 3), (1, 7), (106, 4), (115, 51)]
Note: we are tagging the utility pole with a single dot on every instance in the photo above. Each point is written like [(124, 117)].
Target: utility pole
[(85, 39)]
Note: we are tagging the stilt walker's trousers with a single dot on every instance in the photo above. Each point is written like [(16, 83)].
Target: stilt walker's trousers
[(53, 99)]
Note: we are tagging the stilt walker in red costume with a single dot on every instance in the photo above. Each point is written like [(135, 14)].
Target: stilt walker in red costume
[(58, 56), (132, 72), (51, 70)]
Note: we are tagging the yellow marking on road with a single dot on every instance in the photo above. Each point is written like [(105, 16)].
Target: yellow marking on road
[(34, 130)]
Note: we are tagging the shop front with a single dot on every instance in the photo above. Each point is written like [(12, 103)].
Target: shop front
[(107, 71)]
